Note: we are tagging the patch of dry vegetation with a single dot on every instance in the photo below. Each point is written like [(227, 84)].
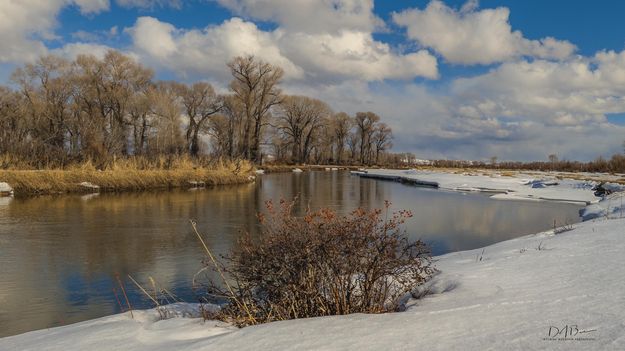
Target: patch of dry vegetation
[(129, 174), (319, 264)]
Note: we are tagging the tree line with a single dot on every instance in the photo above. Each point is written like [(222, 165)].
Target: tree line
[(60, 111), (614, 164)]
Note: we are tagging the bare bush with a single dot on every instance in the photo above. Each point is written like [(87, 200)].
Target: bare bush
[(320, 264)]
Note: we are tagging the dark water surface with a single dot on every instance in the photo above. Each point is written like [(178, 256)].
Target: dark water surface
[(59, 254)]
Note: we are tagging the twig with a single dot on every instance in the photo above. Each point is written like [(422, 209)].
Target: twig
[(121, 285), (142, 289), (223, 277), (480, 256), (121, 308)]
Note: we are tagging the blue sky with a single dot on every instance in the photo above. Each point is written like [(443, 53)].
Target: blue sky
[(455, 79)]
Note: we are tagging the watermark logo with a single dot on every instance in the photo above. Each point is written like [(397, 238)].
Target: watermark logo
[(569, 332)]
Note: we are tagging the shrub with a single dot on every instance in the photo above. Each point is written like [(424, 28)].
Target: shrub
[(318, 265)]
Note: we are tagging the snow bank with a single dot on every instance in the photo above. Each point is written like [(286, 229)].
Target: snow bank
[(121, 332), (611, 206), (5, 189), (516, 187), (516, 294), (89, 186)]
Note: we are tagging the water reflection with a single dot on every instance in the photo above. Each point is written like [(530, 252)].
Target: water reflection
[(59, 255)]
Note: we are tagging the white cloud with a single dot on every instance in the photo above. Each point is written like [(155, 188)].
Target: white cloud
[(323, 57), (351, 54), (154, 37), (471, 36), (70, 51), (310, 16), (92, 6), (149, 4), (573, 92), (520, 109), (205, 51), (23, 24)]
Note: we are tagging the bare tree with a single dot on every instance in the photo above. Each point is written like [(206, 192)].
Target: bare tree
[(14, 128), (200, 103), (255, 85), (352, 142), (299, 117), (233, 112), (141, 121), (167, 109), (101, 108), (122, 79), (47, 91), (365, 123), (381, 138), (341, 123), (106, 91)]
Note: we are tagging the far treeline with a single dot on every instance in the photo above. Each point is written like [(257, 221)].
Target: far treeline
[(64, 112), (615, 164)]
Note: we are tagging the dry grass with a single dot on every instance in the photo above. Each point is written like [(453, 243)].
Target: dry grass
[(127, 175)]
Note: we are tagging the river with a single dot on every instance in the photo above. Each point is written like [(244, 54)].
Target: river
[(59, 255)]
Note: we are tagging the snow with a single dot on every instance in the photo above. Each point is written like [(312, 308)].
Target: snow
[(510, 295), (89, 186), (517, 186), (610, 206), (121, 332), (5, 189)]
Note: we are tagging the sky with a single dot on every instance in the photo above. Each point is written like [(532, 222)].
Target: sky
[(517, 79)]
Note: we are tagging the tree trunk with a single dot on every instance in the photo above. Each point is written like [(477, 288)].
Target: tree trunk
[(195, 143)]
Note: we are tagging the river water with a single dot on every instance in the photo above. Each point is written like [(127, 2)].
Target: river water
[(59, 255)]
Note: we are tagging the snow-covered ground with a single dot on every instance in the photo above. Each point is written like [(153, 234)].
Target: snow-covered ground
[(518, 186), (511, 295), (544, 291), (611, 206)]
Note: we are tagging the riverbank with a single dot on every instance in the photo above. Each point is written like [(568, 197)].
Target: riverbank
[(535, 186), (306, 168), (557, 290), (89, 180)]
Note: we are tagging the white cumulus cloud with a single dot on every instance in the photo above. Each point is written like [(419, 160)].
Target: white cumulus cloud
[(573, 92), (472, 36), (310, 16), (93, 6), (320, 56)]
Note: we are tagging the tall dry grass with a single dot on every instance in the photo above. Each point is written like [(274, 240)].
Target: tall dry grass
[(130, 174)]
